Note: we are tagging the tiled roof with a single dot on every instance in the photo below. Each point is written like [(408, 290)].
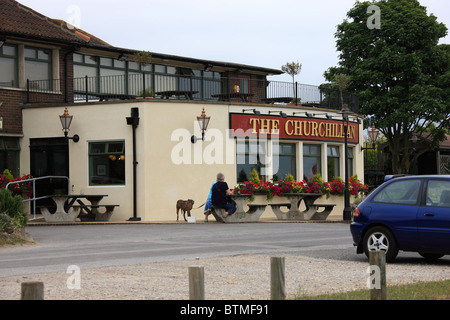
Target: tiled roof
[(19, 20)]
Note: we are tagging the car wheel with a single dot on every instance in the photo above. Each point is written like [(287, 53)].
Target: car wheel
[(380, 239), (431, 256)]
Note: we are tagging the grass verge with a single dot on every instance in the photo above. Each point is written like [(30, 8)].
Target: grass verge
[(438, 290)]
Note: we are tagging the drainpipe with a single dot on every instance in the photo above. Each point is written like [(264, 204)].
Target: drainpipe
[(134, 122)]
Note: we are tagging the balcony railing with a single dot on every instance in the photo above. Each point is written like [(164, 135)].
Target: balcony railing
[(178, 87)]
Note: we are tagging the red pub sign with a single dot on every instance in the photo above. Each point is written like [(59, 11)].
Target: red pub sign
[(294, 128)]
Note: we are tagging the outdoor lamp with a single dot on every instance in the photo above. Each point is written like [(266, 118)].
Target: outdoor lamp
[(328, 116), (282, 114), (66, 120), (254, 111), (203, 122), (347, 214), (373, 136)]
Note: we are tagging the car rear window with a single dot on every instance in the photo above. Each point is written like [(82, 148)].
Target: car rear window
[(400, 192)]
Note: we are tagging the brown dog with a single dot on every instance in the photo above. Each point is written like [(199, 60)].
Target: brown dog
[(185, 206)]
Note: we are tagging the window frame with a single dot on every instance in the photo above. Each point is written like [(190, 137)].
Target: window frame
[(292, 155), (312, 155), (336, 165), (36, 58), (93, 172), (15, 59), (258, 155)]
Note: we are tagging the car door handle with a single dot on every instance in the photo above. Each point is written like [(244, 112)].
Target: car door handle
[(429, 214)]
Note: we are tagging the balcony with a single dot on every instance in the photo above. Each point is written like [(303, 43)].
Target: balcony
[(178, 87)]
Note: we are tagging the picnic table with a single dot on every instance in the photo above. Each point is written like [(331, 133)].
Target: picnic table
[(294, 213), (70, 207), (251, 215), (188, 94), (227, 96), (279, 99)]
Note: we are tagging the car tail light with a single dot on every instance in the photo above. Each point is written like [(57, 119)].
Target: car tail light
[(356, 212)]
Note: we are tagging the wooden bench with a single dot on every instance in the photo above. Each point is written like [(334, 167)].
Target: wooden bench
[(95, 215)]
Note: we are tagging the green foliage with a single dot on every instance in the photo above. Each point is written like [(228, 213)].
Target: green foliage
[(254, 177), (13, 207), (292, 69), (289, 178), (8, 174), (400, 73), (5, 223)]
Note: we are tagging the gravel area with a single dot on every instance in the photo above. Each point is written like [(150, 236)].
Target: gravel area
[(245, 277)]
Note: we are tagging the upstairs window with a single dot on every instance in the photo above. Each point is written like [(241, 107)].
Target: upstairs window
[(38, 67), (8, 66)]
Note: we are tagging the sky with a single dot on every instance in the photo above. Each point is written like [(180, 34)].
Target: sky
[(264, 33)]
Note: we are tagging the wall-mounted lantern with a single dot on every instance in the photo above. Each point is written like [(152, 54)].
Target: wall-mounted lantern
[(66, 120), (203, 122), (373, 136)]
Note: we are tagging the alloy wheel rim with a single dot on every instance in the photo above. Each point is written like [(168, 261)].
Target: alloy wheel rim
[(378, 242)]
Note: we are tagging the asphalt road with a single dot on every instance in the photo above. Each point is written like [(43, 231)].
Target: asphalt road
[(92, 246)]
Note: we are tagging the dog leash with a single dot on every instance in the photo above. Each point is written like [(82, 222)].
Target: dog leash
[(200, 206)]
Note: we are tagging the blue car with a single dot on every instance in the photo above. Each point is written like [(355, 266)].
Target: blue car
[(408, 213)]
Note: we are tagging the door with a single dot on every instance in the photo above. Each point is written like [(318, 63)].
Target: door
[(49, 157), (433, 219)]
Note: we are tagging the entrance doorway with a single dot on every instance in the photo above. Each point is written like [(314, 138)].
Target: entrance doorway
[(49, 157)]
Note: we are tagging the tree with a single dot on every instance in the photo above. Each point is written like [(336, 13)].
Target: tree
[(293, 69), (400, 73), (342, 82)]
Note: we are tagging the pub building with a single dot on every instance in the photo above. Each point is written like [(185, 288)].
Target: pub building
[(133, 130)]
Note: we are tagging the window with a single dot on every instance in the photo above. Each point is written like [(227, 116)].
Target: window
[(85, 65), (350, 161), (211, 84), (107, 163), (244, 84), (284, 160), (438, 193), (400, 192), (8, 66), (250, 155), (311, 160), (136, 79), (9, 155), (112, 73), (165, 78), (333, 162), (38, 67)]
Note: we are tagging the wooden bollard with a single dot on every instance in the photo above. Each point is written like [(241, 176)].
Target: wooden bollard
[(196, 283), (33, 290), (277, 279), (377, 279)]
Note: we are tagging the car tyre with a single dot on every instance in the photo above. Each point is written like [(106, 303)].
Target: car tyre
[(380, 239)]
